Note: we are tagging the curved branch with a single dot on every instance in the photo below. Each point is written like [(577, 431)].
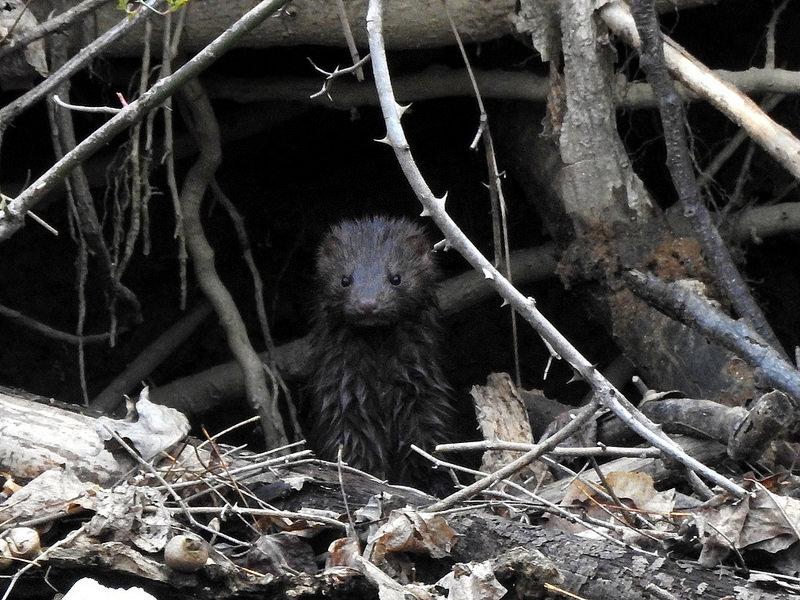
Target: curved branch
[(197, 181), (50, 332)]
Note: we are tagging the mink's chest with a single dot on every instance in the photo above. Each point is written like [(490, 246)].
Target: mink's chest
[(382, 373)]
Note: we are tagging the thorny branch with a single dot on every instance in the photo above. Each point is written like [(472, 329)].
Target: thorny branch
[(434, 207)]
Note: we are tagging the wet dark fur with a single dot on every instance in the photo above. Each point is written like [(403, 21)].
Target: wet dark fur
[(377, 386)]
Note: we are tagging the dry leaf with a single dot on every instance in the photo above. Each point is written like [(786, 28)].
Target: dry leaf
[(637, 490), (156, 429), (473, 581), (343, 553), (120, 516), (17, 70), (410, 531), (281, 553), (762, 521)]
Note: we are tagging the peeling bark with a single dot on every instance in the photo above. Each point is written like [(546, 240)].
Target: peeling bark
[(597, 209)]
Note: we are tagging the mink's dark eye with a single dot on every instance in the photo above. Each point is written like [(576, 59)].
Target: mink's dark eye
[(394, 279), (346, 280)]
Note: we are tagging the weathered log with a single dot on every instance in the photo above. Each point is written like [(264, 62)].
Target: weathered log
[(409, 23), (36, 434)]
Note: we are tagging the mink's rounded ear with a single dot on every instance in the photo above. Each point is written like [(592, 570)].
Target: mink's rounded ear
[(326, 246), (419, 243)]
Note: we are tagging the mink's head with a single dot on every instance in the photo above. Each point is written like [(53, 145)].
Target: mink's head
[(375, 272)]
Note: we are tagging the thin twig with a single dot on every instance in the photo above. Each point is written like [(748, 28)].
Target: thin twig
[(89, 109), (251, 469), (769, 54), (523, 447), (259, 512), (47, 331), (586, 521), (9, 112), (169, 50), (138, 174), (271, 367), (770, 102), (498, 201), (581, 417), (78, 184), (184, 508), (348, 35), (330, 76)]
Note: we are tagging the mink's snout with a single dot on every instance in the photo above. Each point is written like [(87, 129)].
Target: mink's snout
[(367, 306)]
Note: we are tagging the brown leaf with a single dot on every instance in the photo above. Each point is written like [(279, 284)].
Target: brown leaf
[(473, 581), (410, 531)]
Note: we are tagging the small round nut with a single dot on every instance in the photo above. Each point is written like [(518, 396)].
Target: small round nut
[(186, 554), (23, 542)]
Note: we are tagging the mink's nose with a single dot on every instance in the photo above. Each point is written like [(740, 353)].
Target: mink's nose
[(367, 306)]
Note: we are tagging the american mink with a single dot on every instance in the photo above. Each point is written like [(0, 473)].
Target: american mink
[(377, 385)]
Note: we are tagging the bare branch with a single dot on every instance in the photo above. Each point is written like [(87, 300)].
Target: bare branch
[(775, 139), (57, 23), (90, 109), (13, 217), (12, 110), (47, 331), (197, 181), (681, 303)]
